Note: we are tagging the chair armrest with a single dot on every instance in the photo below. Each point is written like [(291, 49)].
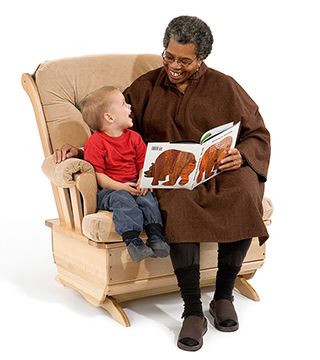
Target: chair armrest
[(63, 174), (267, 210)]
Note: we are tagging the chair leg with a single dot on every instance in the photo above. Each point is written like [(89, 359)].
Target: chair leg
[(116, 311), (245, 288), (110, 304)]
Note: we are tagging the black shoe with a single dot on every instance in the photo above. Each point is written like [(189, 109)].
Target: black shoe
[(138, 250), (159, 245)]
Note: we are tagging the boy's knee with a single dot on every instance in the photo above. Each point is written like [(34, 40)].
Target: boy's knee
[(121, 197), (149, 198), (121, 193)]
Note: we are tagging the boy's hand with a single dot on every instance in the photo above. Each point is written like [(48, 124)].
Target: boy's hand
[(143, 192), (131, 187)]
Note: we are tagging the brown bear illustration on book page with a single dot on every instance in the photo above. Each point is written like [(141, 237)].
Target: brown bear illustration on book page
[(211, 158), (175, 163)]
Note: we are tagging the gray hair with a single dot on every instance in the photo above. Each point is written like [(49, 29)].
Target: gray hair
[(190, 29)]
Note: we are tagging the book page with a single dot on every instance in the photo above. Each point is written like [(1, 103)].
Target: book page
[(170, 165), (214, 150), (212, 132)]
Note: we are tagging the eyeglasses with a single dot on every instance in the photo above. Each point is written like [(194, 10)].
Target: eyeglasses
[(170, 59)]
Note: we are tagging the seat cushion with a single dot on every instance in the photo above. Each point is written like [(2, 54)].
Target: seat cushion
[(99, 227)]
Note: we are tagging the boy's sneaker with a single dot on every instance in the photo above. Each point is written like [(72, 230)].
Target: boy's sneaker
[(137, 249), (159, 245)]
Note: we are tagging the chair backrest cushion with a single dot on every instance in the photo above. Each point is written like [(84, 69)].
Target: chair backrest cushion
[(63, 83)]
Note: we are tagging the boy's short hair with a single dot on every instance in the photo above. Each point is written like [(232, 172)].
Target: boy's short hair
[(94, 105)]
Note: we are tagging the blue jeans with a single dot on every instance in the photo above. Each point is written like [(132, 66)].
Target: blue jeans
[(130, 212)]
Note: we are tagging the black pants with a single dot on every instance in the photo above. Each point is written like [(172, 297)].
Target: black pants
[(187, 254), (185, 259)]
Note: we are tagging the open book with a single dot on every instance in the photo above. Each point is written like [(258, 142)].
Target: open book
[(186, 165)]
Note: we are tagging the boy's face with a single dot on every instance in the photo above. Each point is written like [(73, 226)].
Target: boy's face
[(120, 110)]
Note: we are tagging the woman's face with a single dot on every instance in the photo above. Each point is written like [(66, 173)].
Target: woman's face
[(180, 62)]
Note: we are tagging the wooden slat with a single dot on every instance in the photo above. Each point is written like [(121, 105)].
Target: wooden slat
[(31, 89), (58, 203), (76, 208), (66, 208)]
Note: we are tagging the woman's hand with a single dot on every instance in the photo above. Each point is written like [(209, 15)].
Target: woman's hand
[(232, 161), (67, 151)]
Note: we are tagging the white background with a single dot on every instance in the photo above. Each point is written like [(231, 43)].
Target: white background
[(271, 49)]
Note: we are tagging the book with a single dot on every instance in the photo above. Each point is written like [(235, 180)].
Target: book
[(185, 165)]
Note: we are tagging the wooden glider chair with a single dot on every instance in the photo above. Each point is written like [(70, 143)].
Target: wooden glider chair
[(90, 256)]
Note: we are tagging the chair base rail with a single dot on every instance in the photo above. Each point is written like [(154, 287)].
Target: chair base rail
[(113, 307)]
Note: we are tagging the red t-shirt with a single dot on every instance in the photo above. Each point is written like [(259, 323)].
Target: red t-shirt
[(121, 158)]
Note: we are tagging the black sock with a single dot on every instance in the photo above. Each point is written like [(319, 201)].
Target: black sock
[(189, 284), (153, 229), (226, 277), (129, 235)]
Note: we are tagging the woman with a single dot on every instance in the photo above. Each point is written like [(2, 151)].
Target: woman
[(180, 101)]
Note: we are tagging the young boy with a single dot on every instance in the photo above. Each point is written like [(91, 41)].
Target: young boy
[(117, 155)]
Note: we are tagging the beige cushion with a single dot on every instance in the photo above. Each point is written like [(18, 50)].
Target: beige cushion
[(99, 227), (267, 209), (63, 83), (62, 174)]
